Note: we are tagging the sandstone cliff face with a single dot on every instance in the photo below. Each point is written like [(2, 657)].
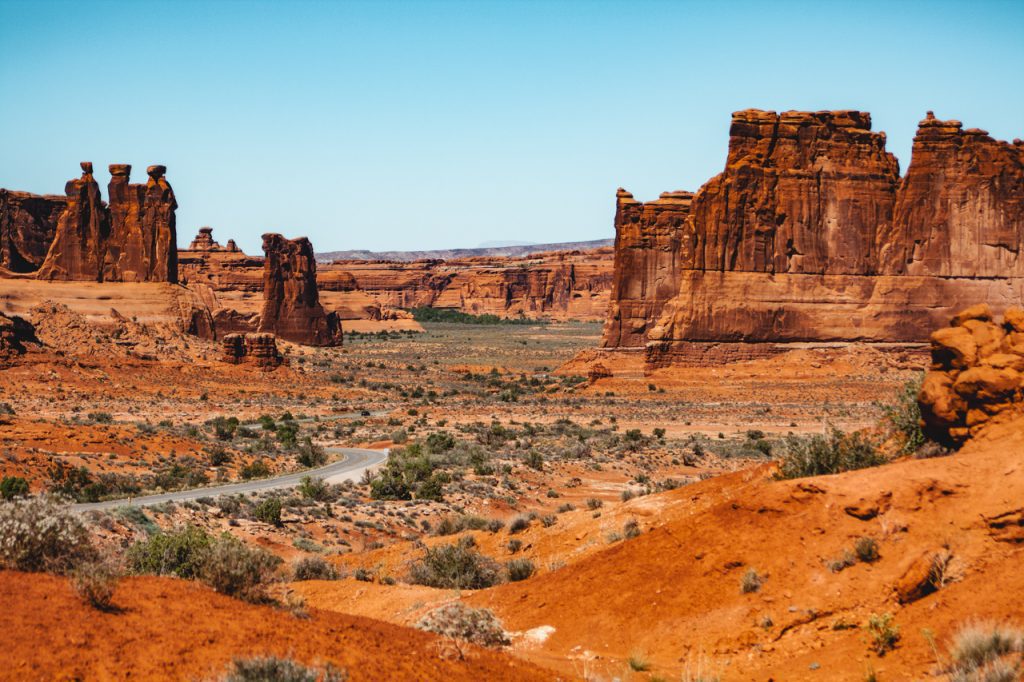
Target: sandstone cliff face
[(960, 208), (650, 249), (134, 240), (977, 373), (809, 235), (28, 224), (291, 302), (256, 349)]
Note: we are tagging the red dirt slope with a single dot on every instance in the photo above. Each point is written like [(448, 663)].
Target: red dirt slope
[(672, 596), (172, 629)]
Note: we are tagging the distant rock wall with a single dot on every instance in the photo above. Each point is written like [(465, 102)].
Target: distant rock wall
[(256, 349), (810, 235)]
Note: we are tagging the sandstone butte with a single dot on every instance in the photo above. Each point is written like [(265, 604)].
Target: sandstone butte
[(811, 235)]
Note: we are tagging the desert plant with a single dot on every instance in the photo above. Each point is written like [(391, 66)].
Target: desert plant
[(751, 581), (461, 622), (313, 488), (631, 529), (883, 633), (594, 503), (519, 524), (904, 416), (273, 669), (832, 454), (180, 552), (269, 511), (257, 469), (234, 569), (519, 569), (987, 652), (94, 581), (638, 663), (12, 487), (314, 568), (310, 454), (455, 566), (843, 561), (866, 549), (42, 534)]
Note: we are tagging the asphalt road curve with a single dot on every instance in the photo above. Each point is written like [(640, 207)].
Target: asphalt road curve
[(351, 465)]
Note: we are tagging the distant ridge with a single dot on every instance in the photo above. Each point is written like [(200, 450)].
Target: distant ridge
[(447, 254)]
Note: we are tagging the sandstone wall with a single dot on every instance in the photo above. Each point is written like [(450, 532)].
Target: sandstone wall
[(28, 224), (810, 235)]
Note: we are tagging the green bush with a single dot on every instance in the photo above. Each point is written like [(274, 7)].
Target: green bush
[(866, 549), (269, 511), (904, 416), (883, 633), (181, 553), (832, 454), (12, 487), (455, 566), (314, 488), (310, 454), (257, 469), (41, 534)]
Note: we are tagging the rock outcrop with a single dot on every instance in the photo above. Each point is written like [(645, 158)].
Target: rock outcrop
[(132, 240), (291, 302), (28, 224), (256, 349), (649, 250), (977, 372), (810, 235), (15, 332), (204, 241)]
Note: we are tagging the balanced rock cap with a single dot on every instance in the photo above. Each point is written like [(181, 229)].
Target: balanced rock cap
[(86, 167), (157, 171), (120, 169)]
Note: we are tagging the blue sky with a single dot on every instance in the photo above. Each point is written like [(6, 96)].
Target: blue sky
[(416, 125)]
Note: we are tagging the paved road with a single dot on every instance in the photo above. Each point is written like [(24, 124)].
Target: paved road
[(351, 466)]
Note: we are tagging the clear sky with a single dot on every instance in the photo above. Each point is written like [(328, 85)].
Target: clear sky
[(417, 125)]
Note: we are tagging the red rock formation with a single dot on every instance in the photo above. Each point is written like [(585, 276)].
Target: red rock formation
[(28, 224), (649, 249), (977, 372), (78, 248), (14, 334), (257, 349), (291, 302), (134, 240), (204, 241), (809, 236), (960, 208)]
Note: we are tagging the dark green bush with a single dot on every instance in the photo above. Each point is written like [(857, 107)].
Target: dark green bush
[(12, 487), (904, 417), (832, 454), (314, 568), (269, 511), (180, 553), (519, 569), (455, 566)]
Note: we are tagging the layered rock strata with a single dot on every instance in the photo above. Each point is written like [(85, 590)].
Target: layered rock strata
[(810, 235), (291, 301), (256, 349), (131, 240), (977, 372)]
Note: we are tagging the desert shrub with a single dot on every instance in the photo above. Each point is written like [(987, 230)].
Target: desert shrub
[(257, 469), (593, 503), (432, 488), (519, 524), (843, 561), (288, 433), (904, 416), (638, 663), (12, 487), (313, 488), (455, 566), (217, 456), (534, 460), (180, 552), (269, 511), (751, 582), (314, 568), (985, 652), (883, 633), (458, 621), (627, 495), (273, 669), (94, 581), (389, 485), (519, 569), (234, 569), (866, 549), (514, 545), (41, 534), (310, 454), (400, 436), (100, 417), (832, 454)]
